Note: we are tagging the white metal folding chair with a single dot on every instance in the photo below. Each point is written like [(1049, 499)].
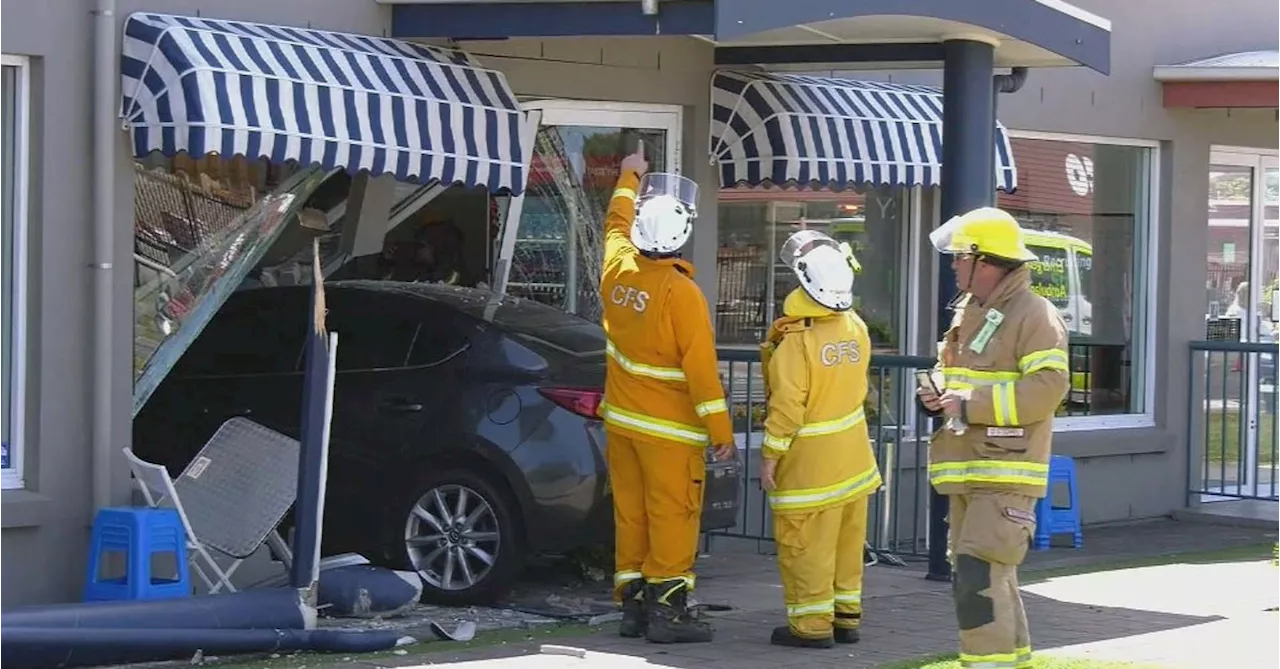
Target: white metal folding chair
[(231, 497)]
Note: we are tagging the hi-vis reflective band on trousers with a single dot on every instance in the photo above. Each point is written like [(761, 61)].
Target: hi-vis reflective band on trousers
[(848, 597), (989, 471), (1019, 659), (640, 369), (818, 429), (654, 427), (622, 578), (812, 608), (1004, 397)]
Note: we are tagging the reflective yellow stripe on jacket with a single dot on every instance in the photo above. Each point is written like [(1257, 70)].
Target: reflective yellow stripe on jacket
[(640, 369), (709, 407), (654, 427), (821, 428), (1050, 358), (963, 378), (1003, 384), (793, 500), (989, 471)]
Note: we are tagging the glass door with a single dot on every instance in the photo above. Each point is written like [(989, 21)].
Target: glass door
[(554, 252), (1243, 254)]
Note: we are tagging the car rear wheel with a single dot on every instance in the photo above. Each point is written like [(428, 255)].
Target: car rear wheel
[(458, 531)]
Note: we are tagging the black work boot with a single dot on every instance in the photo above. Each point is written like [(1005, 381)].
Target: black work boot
[(670, 621), (634, 621), (846, 635), (783, 636)]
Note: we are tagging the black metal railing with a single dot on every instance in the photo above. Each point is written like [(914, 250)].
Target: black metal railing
[(898, 514), (1231, 422)]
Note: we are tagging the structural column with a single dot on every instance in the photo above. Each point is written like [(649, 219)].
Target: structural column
[(968, 182)]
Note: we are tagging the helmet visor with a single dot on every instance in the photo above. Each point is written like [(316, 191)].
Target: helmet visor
[(683, 189), (801, 243), (945, 239)]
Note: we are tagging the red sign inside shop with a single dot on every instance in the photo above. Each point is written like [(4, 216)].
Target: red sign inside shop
[(1054, 177), (601, 172)]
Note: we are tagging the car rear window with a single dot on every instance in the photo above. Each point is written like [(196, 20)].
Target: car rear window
[(541, 324)]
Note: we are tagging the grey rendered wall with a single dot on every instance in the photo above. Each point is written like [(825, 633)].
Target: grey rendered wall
[(46, 526), (1141, 473)]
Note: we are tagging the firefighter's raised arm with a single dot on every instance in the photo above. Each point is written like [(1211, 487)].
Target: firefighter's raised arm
[(622, 208)]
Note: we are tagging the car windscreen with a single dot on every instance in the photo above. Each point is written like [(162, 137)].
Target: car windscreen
[(548, 326)]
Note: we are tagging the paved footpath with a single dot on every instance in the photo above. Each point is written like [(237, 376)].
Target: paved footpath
[(1176, 615)]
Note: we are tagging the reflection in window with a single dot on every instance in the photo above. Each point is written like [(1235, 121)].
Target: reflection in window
[(753, 283), (1085, 206), (200, 226), (1050, 270), (754, 223)]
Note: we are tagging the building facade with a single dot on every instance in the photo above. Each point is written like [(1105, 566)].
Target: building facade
[(1149, 215)]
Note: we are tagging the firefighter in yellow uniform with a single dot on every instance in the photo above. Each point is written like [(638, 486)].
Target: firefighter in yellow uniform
[(1003, 372), (664, 403), (818, 464)]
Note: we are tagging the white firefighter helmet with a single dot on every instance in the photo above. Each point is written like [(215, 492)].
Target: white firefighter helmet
[(824, 267), (666, 205)]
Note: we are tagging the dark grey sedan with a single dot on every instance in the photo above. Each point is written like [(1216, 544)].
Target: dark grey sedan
[(464, 434)]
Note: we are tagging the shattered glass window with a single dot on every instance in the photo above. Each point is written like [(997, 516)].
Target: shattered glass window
[(560, 248), (200, 226)]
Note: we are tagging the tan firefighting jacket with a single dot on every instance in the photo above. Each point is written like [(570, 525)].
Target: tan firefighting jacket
[(663, 377), (816, 427), (1011, 355)]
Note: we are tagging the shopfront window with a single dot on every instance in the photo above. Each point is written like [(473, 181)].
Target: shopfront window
[(753, 284), (13, 168), (1087, 208)]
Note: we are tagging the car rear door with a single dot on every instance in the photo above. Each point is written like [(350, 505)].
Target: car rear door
[(396, 372)]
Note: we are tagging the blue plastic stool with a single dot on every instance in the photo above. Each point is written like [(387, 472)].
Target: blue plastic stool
[(1050, 519), (138, 533)]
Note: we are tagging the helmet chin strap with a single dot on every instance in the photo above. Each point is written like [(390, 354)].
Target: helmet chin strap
[(968, 289)]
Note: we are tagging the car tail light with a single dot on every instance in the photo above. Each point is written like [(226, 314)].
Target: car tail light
[(582, 401)]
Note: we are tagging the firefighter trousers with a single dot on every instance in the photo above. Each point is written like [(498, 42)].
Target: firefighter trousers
[(820, 559), (657, 506), (988, 537)]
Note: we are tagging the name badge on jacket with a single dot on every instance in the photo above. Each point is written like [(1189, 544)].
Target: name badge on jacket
[(979, 344)]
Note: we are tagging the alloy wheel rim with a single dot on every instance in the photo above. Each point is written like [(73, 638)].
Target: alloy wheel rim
[(451, 536)]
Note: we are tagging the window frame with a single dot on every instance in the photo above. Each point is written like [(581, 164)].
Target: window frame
[(13, 477), (1146, 278)]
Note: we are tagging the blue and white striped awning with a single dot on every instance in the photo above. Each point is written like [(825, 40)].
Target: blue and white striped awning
[(834, 133), (423, 114)]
